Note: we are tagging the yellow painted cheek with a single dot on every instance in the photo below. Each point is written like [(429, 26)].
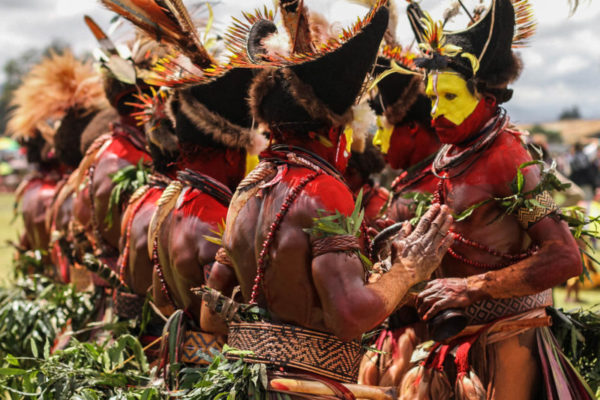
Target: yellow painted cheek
[(383, 136), (455, 110), (349, 133), (251, 163)]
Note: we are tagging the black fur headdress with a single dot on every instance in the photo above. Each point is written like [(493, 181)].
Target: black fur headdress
[(216, 113), (317, 90), (401, 96), (481, 53)]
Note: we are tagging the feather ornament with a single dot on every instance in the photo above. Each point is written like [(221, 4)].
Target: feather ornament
[(237, 36), (164, 206), (52, 87), (525, 23), (164, 20)]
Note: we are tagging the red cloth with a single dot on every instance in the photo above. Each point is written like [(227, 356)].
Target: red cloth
[(331, 193), (199, 204), (123, 148)]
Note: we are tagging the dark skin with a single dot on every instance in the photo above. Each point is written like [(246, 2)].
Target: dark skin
[(105, 166), (35, 202), (329, 292), (138, 275), (183, 251), (490, 176), (515, 367)]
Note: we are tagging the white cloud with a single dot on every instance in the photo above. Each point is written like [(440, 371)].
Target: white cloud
[(562, 66)]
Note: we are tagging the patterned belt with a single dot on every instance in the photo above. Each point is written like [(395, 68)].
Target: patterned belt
[(290, 346), (128, 305), (198, 345), (486, 311)]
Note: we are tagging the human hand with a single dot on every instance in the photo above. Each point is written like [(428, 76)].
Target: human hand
[(421, 251), (441, 294)]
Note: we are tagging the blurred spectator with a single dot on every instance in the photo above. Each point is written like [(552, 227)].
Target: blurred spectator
[(583, 172)]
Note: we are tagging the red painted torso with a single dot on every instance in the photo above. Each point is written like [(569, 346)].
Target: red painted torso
[(484, 175)]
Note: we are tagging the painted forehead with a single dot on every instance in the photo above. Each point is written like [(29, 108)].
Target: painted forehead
[(444, 80)]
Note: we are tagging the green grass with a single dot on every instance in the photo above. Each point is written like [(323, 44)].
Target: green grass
[(8, 231), (589, 299)]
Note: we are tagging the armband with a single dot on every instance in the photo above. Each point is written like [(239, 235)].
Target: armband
[(530, 216), (331, 244)]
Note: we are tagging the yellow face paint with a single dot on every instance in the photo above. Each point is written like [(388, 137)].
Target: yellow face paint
[(251, 163), (383, 136), (349, 133), (450, 97)]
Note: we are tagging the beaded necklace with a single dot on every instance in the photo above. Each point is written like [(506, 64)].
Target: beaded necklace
[(444, 163), (291, 155)]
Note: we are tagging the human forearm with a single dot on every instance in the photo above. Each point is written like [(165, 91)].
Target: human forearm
[(222, 278), (551, 265)]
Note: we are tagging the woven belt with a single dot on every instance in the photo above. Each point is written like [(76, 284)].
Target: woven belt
[(128, 305), (489, 310), (290, 346), (197, 344)]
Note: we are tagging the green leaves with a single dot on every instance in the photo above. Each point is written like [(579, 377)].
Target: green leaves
[(127, 180), (224, 379), (578, 333), (35, 312), (338, 223)]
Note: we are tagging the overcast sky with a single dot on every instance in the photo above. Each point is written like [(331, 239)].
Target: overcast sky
[(562, 63)]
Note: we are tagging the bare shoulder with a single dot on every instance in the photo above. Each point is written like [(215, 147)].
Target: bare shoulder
[(322, 196), (503, 160)]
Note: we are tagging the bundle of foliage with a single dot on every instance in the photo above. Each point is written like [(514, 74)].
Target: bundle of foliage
[(115, 369), (224, 379), (578, 334), (36, 310), (127, 180)]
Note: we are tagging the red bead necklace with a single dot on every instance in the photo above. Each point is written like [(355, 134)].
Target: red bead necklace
[(275, 226), (161, 277), (511, 258)]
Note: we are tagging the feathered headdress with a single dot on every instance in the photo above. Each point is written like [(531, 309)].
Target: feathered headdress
[(128, 69), (159, 129), (165, 20), (57, 84), (400, 94), (317, 88), (483, 51), (207, 105)]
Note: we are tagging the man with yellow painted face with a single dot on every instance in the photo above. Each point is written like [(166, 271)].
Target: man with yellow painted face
[(499, 272)]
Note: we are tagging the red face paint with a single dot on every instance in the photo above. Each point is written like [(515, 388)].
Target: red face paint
[(450, 133)]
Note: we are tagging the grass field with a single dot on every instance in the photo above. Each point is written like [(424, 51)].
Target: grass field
[(8, 231)]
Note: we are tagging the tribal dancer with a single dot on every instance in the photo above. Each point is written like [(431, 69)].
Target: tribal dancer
[(124, 145), (213, 127), (312, 285), (358, 175), (53, 106), (409, 143), (135, 264), (504, 261)]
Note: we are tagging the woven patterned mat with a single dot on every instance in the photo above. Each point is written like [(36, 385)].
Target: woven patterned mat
[(489, 310), (291, 346), (198, 343)]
